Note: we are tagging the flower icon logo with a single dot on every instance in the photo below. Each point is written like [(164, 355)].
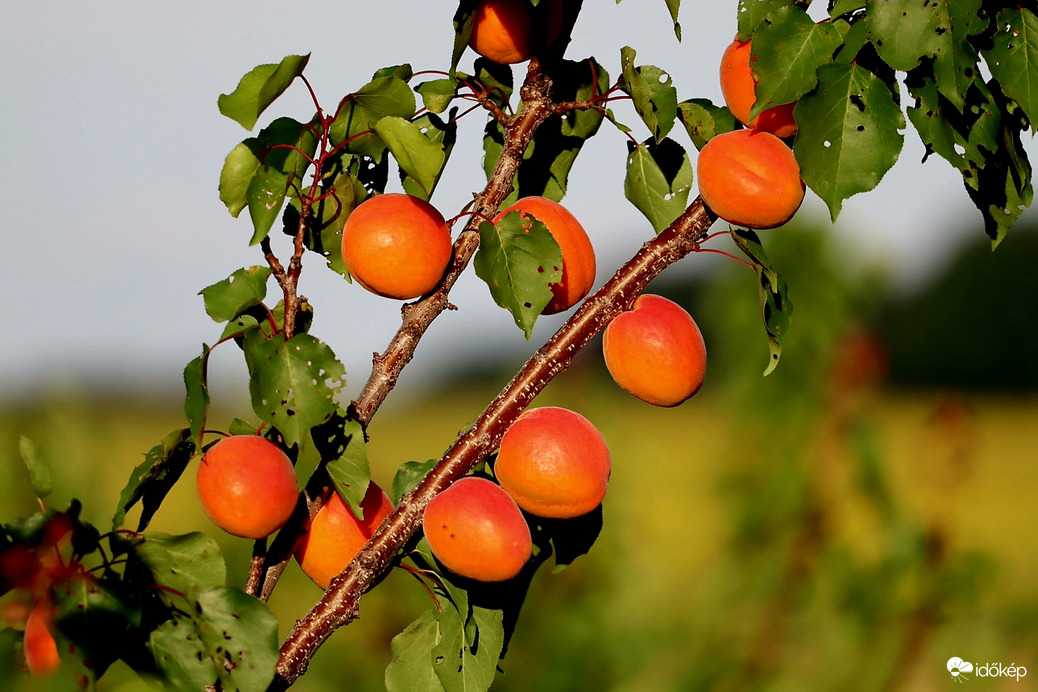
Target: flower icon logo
[(957, 668)]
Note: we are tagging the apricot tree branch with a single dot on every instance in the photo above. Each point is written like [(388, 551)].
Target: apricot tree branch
[(340, 603)]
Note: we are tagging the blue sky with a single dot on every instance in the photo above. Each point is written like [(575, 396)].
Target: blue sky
[(113, 145)]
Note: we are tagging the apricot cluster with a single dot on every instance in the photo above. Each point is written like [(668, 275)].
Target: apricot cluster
[(552, 463)]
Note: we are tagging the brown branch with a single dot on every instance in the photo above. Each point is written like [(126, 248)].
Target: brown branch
[(340, 602)]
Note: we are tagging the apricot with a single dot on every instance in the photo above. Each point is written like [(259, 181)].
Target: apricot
[(508, 31), (476, 530), (578, 255), (655, 351), (738, 86), (554, 463), (396, 245), (335, 535), (39, 647), (750, 178), (247, 486)]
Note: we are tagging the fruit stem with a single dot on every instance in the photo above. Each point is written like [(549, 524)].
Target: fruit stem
[(726, 254)]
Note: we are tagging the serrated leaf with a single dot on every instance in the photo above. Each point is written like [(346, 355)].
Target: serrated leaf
[(292, 383), (854, 135), (786, 53), (196, 402), (186, 565), (461, 666), (404, 72), (347, 453), (155, 476), (418, 156), (776, 308), (652, 92), (1013, 58), (753, 12), (442, 133), (39, 472), (437, 94), (411, 667), (408, 476), (462, 31), (259, 88), (673, 6), (658, 180), (360, 112), (703, 120), (229, 298), (519, 259)]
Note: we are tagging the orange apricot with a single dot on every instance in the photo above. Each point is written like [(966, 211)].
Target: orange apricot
[(554, 463), (750, 178), (508, 32), (396, 245), (578, 255), (335, 535), (738, 86), (655, 351), (247, 486), (39, 647), (476, 530)]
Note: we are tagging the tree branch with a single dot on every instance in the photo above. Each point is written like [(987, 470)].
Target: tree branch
[(340, 603)]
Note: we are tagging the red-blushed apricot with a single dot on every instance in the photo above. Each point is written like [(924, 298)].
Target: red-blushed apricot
[(39, 647), (738, 87), (554, 463), (655, 351), (507, 31), (578, 255), (247, 486), (476, 530), (750, 178), (335, 535), (396, 245)]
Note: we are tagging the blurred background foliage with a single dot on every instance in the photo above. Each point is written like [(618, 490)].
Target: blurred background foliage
[(849, 522)]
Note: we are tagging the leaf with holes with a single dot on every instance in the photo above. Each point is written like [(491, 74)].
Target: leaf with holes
[(659, 177), (411, 668), (154, 477), (703, 120), (341, 444), (259, 88), (753, 12), (292, 383), (653, 93), (855, 136), (184, 566), (466, 663), (519, 259), (776, 308), (1013, 58), (229, 298)]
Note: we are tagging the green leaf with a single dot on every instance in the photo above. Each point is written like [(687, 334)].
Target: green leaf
[(196, 403), (1013, 58), (464, 666), (227, 636), (442, 133), (404, 72), (673, 6), (259, 88), (519, 259), (155, 476), (360, 111), (776, 308), (187, 565), (659, 177), (753, 12), (411, 668), (653, 93), (787, 52), (408, 476), (229, 298), (462, 31), (703, 120), (574, 537), (292, 383), (437, 94), (39, 472), (418, 156), (342, 442), (854, 136)]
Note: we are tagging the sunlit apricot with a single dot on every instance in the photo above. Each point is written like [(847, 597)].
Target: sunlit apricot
[(396, 245), (510, 31), (554, 463), (578, 255), (476, 530), (335, 535), (39, 647), (750, 178), (655, 351), (247, 486), (739, 89)]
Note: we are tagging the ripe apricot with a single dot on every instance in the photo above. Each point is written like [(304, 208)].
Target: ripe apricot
[(476, 530), (247, 486), (578, 255), (554, 463), (738, 86), (507, 31), (396, 245), (655, 351), (39, 647), (335, 535), (750, 178)]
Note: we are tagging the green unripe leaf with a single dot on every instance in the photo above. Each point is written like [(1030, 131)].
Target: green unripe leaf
[(652, 91), (1013, 58), (186, 565), (259, 88), (437, 94), (703, 120), (360, 112), (411, 668), (776, 308), (196, 403), (753, 12), (658, 180), (154, 477), (408, 476), (341, 443), (229, 298)]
